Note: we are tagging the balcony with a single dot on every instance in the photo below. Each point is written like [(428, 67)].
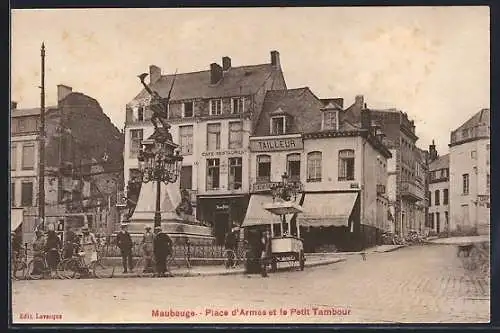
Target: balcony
[(411, 191)]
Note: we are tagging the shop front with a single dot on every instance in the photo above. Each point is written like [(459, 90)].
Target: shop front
[(222, 212)]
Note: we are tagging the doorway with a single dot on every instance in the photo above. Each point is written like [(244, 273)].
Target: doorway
[(221, 226)]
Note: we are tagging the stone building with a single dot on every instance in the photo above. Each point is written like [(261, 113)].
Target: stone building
[(83, 157), (339, 165), (438, 194), (470, 174), (406, 182), (212, 113)]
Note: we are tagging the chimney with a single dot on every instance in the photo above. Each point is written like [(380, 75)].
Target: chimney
[(366, 121), (154, 73), (433, 155), (63, 91), (359, 101), (226, 63), (215, 73), (275, 59), (13, 105)]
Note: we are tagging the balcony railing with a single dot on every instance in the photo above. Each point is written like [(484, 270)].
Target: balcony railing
[(412, 191)]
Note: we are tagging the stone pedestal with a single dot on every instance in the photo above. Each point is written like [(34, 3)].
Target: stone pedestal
[(178, 228)]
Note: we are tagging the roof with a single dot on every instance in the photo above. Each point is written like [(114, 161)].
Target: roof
[(300, 103), (480, 118), (442, 162), (243, 80), (29, 111), (336, 101)]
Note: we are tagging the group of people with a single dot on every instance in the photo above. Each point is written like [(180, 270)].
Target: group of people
[(157, 245)]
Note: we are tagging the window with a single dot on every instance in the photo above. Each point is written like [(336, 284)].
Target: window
[(135, 141), (26, 194), (293, 166), (186, 177), (330, 120), (140, 113), (238, 105), (446, 219), (235, 173), (346, 164), (235, 134), (431, 220), (465, 184), (13, 194), (465, 133), (22, 124), (263, 168), (429, 196), (438, 222), (443, 173), (213, 136), (445, 196), (436, 198), (28, 162), (187, 109), (186, 139), (465, 214), (13, 157), (213, 170), (278, 125), (488, 183), (215, 107), (314, 166), (473, 154)]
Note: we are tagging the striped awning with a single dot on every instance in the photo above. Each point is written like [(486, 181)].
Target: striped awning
[(257, 214), (327, 209)]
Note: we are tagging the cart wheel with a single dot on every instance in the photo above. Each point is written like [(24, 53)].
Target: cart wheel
[(302, 260), (274, 265)]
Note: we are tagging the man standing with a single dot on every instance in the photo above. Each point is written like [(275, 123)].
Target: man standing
[(266, 252), (38, 248), (230, 246), (147, 250), (124, 242), (52, 247), (162, 248), (69, 243)]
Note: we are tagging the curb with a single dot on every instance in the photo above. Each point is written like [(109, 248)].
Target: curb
[(391, 249)]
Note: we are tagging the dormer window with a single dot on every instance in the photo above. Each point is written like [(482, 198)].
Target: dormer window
[(237, 105), (331, 120), (278, 125), (187, 109), (215, 107), (140, 113)]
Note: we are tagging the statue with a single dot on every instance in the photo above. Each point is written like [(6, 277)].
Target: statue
[(184, 206), (158, 105)]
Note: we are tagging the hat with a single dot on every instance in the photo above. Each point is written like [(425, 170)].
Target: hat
[(147, 227), (85, 227), (158, 228), (123, 224)]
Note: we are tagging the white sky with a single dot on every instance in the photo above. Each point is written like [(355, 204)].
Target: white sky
[(431, 62)]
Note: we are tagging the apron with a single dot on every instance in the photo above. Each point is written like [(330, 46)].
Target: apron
[(88, 246)]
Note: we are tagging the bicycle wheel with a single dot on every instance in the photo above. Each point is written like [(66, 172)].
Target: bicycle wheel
[(69, 268), (100, 270), (19, 270), (36, 269), (229, 259)]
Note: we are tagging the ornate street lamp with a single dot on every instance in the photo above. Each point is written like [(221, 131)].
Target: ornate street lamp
[(286, 189), (159, 158)]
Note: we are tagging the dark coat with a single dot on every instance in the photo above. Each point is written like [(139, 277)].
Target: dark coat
[(124, 241), (52, 242), (230, 242), (162, 245)]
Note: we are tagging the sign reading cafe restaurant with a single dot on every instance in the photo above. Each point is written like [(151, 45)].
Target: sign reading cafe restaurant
[(267, 144)]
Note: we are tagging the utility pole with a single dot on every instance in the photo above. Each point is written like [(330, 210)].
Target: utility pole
[(41, 164)]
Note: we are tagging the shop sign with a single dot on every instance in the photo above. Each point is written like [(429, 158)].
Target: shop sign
[(222, 206), (263, 187), (276, 144), (222, 153)]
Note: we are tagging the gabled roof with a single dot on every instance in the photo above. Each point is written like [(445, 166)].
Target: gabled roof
[(30, 111), (481, 117), (442, 162), (243, 80)]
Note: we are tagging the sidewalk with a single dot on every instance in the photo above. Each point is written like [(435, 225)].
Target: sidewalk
[(460, 240), (376, 249), (221, 270)]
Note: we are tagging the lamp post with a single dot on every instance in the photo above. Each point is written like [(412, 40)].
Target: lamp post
[(285, 190)]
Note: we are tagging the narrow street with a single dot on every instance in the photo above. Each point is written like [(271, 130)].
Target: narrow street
[(414, 284)]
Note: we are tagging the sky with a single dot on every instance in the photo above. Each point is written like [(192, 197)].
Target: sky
[(431, 62)]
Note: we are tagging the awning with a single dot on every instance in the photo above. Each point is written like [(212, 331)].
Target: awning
[(16, 218), (327, 209), (256, 214), (281, 208)]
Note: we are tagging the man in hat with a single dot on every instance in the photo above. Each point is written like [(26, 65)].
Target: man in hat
[(38, 248), (52, 247), (147, 249), (162, 248), (124, 242)]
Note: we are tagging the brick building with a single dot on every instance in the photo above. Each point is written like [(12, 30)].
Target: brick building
[(340, 166)]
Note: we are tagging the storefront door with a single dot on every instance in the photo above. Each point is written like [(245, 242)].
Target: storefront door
[(221, 226)]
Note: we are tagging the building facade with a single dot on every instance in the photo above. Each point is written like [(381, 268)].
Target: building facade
[(470, 174), (331, 160), (439, 191), (212, 114), (82, 175), (406, 182)]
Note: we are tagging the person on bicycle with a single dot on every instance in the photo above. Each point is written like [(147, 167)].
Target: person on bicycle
[(162, 247), (147, 250), (124, 242), (52, 247), (230, 246), (38, 250), (88, 245)]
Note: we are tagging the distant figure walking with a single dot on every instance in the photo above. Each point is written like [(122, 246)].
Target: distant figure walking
[(162, 246), (124, 242)]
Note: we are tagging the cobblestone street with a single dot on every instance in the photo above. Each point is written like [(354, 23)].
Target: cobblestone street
[(414, 284)]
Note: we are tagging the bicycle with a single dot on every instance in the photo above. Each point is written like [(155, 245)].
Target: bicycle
[(19, 266), (75, 266), (236, 257), (39, 265)]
